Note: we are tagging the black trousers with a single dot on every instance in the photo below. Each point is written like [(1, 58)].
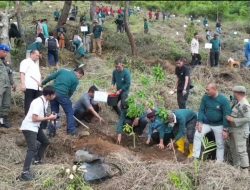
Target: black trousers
[(32, 152), (182, 100), (191, 130), (122, 97), (29, 96), (167, 136), (214, 59), (141, 125), (196, 59)]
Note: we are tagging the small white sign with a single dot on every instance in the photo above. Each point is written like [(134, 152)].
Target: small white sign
[(177, 33), (84, 28), (185, 26), (198, 21), (235, 33), (208, 46), (100, 96), (246, 40)]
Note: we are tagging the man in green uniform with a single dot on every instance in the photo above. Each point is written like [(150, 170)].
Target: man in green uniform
[(121, 80), (97, 37), (6, 81), (239, 128)]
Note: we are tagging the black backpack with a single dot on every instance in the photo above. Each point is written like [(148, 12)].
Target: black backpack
[(52, 45)]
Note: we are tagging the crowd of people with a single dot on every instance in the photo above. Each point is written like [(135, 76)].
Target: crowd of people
[(183, 125)]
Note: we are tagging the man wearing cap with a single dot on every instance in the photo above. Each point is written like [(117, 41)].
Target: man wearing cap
[(239, 128), (30, 79), (97, 37), (215, 51), (121, 81), (6, 82), (158, 130), (212, 114), (85, 108), (183, 121)]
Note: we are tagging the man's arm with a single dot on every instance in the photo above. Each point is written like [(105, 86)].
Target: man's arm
[(113, 78), (226, 109), (51, 77), (182, 128), (201, 113), (127, 79), (73, 88)]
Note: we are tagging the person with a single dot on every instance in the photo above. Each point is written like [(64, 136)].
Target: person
[(121, 81), (183, 121), (36, 45), (65, 83), (119, 11), (150, 15), (39, 27), (97, 37), (157, 14), (86, 37), (80, 52), (53, 45), (196, 58), (32, 131), (85, 108), (208, 35), (247, 53), (30, 79), (56, 14), (13, 34), (45, 28), (138, 123), (145, 26), (6, 82), (205, 22), (183, 82), (212, 114), (218, 27), (239, 128), (120, 23), (158, 131), (215, 51)]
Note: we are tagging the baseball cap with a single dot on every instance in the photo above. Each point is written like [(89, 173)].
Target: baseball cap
[(4, 47)]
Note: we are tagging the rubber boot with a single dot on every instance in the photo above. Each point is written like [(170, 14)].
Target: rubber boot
[(190, 155), (181, 145)]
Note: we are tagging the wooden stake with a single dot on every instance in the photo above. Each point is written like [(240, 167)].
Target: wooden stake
[(81, 122)]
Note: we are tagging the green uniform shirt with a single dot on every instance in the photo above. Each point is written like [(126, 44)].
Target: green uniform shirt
[(215, 45), (183, 116), (65, 82), (6, 77), (122, 79), (213, 111), (146, 25), (97, 30), (35, 46)]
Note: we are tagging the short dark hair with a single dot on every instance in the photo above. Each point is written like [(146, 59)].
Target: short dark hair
[(48, 90), (196, 33), (119, 60), (92, 89), (182, 59), (80, 70), (51, 34)]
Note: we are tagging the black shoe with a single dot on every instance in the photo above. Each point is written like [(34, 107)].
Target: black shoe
[(26, 176)]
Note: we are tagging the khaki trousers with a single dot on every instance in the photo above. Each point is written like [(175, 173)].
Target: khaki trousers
[(97, 42)]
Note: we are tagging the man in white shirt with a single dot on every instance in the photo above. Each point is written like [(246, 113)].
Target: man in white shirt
[(32, 131), (196, 58), (30, 79)]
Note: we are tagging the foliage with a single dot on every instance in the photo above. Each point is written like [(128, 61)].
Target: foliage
[(49, 182), (181, 180), (163, 114), (189, 34), (158, 73)]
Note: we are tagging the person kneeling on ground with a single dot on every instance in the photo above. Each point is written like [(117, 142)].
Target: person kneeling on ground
[(85, 108), (138, 123), (183, 121), (158, 130), (33, 132)]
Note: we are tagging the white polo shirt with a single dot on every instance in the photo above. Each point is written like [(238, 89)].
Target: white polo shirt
[(194, 46), (37, 108), (32, 73)]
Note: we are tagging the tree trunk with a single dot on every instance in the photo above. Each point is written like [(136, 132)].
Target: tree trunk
[(65, 13), (4, 30), (19, 20), (92, 10), (127, 28)]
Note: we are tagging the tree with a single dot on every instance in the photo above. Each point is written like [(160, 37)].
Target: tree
[(128, 31), (92, 10), (19, 20), (65, 13)]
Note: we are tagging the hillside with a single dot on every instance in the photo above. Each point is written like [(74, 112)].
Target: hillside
[(144, 167)]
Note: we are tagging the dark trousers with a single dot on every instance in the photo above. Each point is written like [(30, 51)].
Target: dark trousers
[(122, 97), (182, 100), (191, 130), (196, 59), (31, 139), (167, 136), (29, 96), (66, 104), (86, 115), (214, 59), (141, 125)]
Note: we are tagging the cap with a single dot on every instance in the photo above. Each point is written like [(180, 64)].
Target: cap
[(239, 89), (151, 114), (4, 48)]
